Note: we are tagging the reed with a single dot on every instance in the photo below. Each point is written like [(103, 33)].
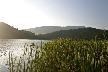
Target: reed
[(63, 55)]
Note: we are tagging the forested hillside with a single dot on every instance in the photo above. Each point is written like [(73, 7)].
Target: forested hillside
[(86, 33), (9, 32)]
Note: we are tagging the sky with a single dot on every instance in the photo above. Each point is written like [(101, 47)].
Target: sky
[(24, 14)]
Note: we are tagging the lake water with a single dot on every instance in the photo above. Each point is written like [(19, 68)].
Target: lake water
[(16, 46)]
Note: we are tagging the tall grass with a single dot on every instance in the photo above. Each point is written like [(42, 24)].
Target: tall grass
[(63, 55)]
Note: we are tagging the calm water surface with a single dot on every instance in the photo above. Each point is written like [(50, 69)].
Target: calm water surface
[(16, 46)]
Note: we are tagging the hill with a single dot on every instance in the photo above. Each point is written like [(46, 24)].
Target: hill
[(9, 32), (86, 33), (50, 29)]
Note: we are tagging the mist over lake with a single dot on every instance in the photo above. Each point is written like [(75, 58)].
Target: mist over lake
[(15, 46)]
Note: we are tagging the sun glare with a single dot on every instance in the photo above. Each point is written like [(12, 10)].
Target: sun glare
[(22, 14)]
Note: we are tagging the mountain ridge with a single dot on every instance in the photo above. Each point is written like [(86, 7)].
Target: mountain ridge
[(50, 29)]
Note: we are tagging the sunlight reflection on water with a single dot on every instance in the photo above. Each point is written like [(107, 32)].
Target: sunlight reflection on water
[(16, 46)]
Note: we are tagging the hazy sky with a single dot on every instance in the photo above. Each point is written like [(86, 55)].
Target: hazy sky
[(33, 13)]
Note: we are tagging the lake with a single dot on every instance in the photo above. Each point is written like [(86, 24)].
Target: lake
[(16, 46)]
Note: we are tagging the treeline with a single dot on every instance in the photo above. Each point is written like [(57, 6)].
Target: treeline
[(85, 33)]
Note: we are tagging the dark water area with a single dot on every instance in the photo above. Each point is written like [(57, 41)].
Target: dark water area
[(16, 46)]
